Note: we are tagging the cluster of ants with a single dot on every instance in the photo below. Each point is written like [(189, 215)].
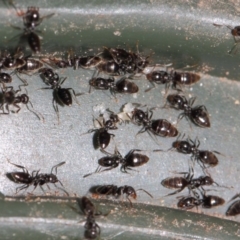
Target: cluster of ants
[(128, 65)]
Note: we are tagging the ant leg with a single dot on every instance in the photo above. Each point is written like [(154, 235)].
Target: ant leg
[(35, 173), (174, 87), (129, 201), (61, 188), (90, 131), (25, 83), (46, 16), (55, 106), (124, 169), (38, 115), (131, 152), (179, 190), (10, 89), (90, 88), (64, 79), (18, 189), (167, 86), (105, 152), (235, 196), (98, 170), (142, 130), (150, 88), (45, 88), (19, 166), (6, 108), (191, 101), (234, 49), (191, 141), (41, 188), (151, 113), (16, 106), (180, 117), (203, 107), (75, 95)]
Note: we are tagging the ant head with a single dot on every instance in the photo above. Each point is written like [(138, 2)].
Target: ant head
[(207, 180), (114, 117), (182, 146), (235, 31), (139, 116), (130, 191), (118, 53), (92, 229), (187, 202), (24, 98), (177, 101), (9, 96), (53, 178), (32, 17), (5, 78), (161, 77)]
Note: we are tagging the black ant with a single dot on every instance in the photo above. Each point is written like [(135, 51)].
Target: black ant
[(129, 62), (89, 62), (198, 114), (176, 78), (188, 202), (234, 208), (56, 62), (61, 96), (117, 191), (102, 137), (181, 183), (235, 31), (31, 19), (31, 66), (48, 76), (125, 86), (159, 127), (207, 201), (92, 229), (191, 147), (86, 206), (109, 67), (35, 178), (121, 86), (9, 96), (33, 41), (132, 159), (12, 63), (120, 55), (102, 83), (5, 78)]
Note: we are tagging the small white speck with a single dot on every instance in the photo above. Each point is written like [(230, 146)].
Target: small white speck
[(117, 33), (135, 95), (101, 108)]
